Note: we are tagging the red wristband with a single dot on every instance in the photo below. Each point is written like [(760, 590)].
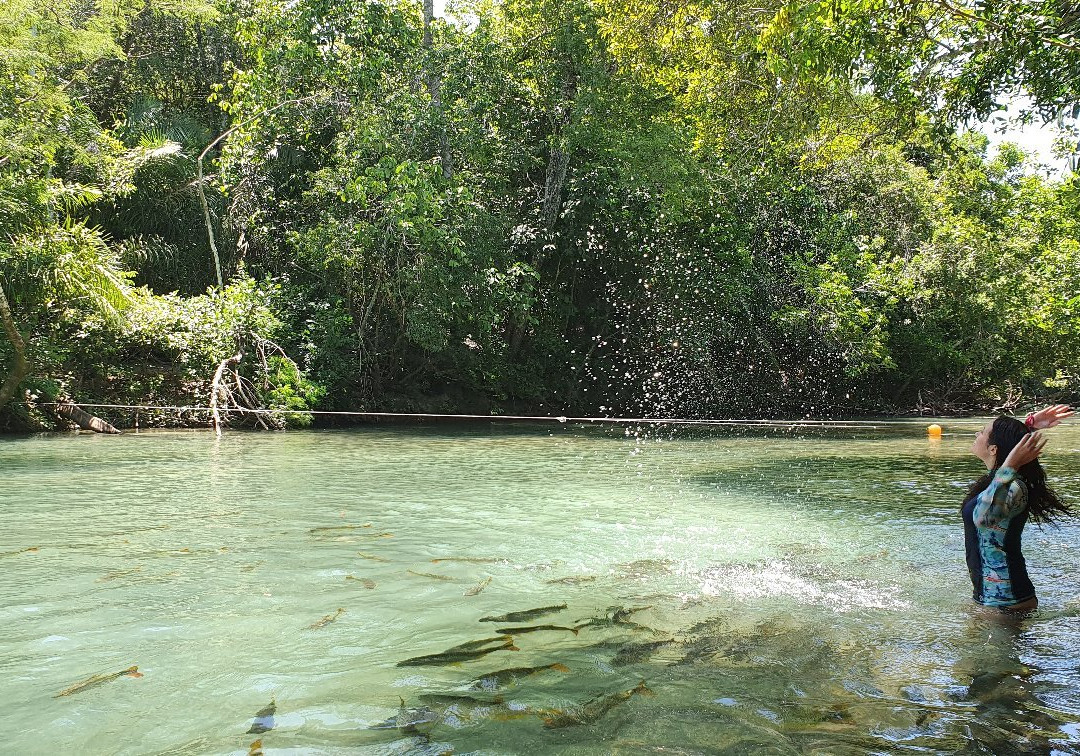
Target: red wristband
[(1029, 421)]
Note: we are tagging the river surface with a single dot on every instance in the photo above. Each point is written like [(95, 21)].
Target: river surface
[(753, 592)]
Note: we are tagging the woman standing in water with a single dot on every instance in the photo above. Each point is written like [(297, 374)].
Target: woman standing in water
[(1000, 503)]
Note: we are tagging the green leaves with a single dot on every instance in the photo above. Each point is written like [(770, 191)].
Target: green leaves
[(64, 269), (957, 59)]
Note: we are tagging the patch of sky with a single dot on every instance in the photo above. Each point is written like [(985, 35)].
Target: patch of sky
[(1054, 145)]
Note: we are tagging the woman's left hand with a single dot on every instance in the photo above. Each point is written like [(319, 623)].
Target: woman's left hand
[(1029, 448), (1048, 417)]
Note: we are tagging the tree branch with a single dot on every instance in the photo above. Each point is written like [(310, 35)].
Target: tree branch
[(961, 13), (202, 193), (21, 367)]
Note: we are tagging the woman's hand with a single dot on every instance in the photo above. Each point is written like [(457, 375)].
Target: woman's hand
[(1048, 417), (1028, 449)]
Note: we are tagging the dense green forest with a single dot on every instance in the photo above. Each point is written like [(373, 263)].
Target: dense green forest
[(712, 208)]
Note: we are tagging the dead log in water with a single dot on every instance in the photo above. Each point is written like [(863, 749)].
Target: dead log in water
[(219, 390), (82, 418)]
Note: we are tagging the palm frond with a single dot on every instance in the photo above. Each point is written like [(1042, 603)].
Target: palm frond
[(71, 265)]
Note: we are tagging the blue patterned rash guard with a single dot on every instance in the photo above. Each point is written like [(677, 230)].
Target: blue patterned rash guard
[(993, 523)]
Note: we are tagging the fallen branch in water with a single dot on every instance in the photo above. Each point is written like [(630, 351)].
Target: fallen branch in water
[(71, 411), (232, 392), (219, 392)]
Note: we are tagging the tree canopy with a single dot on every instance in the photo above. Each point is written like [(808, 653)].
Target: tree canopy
[(597, 206)]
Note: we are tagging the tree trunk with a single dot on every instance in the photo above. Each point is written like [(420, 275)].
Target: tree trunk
[(433, 82), (559, 157), (21, 367), (551, 202)]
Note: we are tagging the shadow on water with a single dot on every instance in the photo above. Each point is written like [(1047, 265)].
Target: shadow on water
[(908, 487)]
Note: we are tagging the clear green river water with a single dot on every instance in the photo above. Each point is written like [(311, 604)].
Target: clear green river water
[(775, 592)]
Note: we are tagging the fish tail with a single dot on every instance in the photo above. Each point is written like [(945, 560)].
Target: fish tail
[(642, 688), (512, 647), (574, 630), (560, 667)]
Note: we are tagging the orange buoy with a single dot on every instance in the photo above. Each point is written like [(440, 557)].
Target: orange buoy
[(933, 431)]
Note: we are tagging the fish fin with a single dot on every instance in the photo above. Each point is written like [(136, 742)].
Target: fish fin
[(134, 674), (512, 647), (547, 716), (575, 630), (560, 667)]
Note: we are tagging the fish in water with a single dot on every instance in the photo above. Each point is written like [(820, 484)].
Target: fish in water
[(474, 560), (118, 574), (345, 533), (534, 628), (526, 615), (632, 653), (96, 680), (470, 645), (456, 710), (448, 699), (643, 568), (502, 677), (366, 582), (327, 619), (255, 749), (478, 587), (337, 528), (31, 550), (372, 557), (591, 711), (616, 615), (572, 580), (432, 575), (407, 719), (264, 719), (461, 653)]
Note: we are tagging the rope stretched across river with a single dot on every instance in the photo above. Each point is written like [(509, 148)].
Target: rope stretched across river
[(802, 423)]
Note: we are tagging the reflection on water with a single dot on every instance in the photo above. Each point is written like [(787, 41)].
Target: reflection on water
[(324, 592)]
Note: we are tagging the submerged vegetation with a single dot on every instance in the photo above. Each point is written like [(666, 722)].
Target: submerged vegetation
[(587, 206)]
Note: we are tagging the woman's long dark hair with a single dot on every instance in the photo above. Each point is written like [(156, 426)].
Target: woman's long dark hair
[(1043, 504)]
